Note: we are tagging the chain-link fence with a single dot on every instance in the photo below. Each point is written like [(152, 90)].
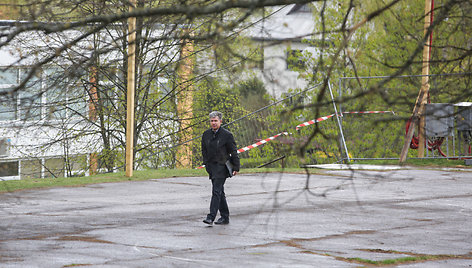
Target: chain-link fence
[(382, 135), (269, 136), (365, 118), (368, 121)]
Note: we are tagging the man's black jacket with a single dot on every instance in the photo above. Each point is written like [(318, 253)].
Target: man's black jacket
[(216, 149)]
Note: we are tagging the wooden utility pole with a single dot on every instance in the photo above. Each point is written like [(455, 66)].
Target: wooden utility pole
[(130, 91), (93, 157), (418, 117), (184, 106), (425, 78)]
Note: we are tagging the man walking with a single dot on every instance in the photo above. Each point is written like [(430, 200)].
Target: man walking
[(218, 146)]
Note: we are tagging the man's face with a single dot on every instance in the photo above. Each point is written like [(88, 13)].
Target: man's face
[(215, 123)]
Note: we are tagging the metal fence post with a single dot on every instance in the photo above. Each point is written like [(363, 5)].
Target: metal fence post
[(339, 123)]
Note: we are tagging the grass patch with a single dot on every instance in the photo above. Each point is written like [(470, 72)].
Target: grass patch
[(138, 175), (388, 261), (413, 258), (403, 260)]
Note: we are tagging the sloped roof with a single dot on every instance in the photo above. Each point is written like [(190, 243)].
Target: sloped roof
[(287, 22)]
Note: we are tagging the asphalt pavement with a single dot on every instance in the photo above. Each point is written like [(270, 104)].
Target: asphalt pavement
[(340, 218)]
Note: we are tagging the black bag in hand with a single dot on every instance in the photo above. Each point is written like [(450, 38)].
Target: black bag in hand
[(229, 166)]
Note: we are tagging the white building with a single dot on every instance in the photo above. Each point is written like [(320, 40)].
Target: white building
[(31, 119), (36, 124), (46, 128), (280, 37), (281, 34)]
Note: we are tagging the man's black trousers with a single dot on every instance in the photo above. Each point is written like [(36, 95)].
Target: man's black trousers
[(218, 199)]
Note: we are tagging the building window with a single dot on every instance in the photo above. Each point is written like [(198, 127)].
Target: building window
[(295, 60), (49, 94), (9, 76), (8, 169), (30, 97), (8, 103), (65, 97), (8, 98)]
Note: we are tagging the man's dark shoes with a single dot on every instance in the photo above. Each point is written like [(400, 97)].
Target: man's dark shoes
[(222, 221), (208, 221)]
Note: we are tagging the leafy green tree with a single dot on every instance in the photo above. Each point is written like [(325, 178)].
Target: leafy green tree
[(213, 95), (374, 38), (253, 94)]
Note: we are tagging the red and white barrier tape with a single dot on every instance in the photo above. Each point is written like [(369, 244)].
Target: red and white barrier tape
[(249, 147), (311, 122), (369, 112)]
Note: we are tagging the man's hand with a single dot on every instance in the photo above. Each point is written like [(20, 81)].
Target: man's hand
[(234, 173)]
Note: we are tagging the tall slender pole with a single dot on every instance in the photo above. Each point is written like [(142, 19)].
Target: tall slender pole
[(93, 157), (418, 118), (425, 79), (339, 123), (130, 91), (184, 104)]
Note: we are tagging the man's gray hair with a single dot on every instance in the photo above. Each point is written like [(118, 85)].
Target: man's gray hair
[(216, 114)]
